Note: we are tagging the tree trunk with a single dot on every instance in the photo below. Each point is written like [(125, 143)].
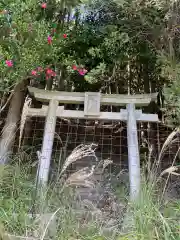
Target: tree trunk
[(49, 84), (13, 117), (27, 131), (61, 79), (146, 78), (129, 78)]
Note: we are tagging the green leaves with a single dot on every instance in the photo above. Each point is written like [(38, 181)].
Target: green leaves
[(116, 41), (105, 37), (95, 52), (96, 73)]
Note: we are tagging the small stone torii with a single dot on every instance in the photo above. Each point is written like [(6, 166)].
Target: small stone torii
[(92, 102)]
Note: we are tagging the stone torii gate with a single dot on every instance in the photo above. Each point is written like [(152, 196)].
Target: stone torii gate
[(92, 102)]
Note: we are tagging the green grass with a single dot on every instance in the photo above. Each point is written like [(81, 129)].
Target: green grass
[(152, 218), (149, 217)]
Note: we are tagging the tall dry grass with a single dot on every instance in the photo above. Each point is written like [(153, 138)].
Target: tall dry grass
[(153, 219), (18, 188)]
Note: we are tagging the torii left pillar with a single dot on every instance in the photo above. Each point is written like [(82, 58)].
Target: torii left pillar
[(47, 146)]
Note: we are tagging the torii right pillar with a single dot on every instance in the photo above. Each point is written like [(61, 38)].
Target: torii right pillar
[(133, 148), (133, 153)]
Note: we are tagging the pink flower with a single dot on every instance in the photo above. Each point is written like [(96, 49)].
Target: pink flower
[(82, 72), (65, 35), (9, 63), (49, 38), (39, 69), (44, 5), (34, 72)]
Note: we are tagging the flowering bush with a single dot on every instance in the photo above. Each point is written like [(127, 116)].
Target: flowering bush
[(26, 42)]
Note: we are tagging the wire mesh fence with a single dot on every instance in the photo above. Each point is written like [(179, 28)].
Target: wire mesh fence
[(110, 138)]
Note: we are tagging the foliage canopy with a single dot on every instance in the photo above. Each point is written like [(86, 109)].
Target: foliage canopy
[(110, 46)]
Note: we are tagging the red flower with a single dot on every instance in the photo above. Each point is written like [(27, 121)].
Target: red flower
[(82, 72), (74, 67), (9, 63), (50, 73), (49, 38), (53, 74), (34, 72), (44, 5), (65, 35)]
